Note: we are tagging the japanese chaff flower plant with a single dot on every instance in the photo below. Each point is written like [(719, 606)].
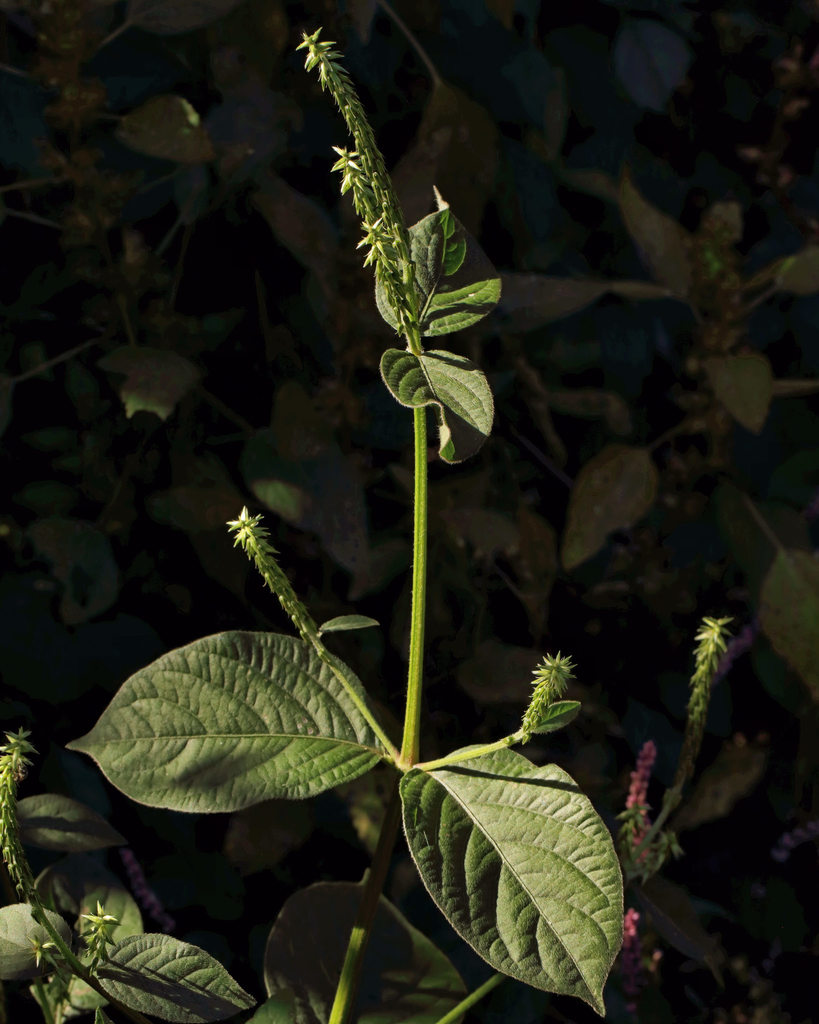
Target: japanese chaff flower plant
[(513, 854)]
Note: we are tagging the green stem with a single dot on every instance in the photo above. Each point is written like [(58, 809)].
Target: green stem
[(670, 801), (360, 935), (42, 998), (458, 1011), (469, 752), (412, 717)]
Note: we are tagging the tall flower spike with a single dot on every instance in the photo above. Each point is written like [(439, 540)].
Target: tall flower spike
[(252, 537), (13, 765), (374, 197), (552, 677), (711, 644)]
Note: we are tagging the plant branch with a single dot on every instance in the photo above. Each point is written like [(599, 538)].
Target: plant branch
[(410, 744), (413, 41), (360, 936), (467, 753), (469, 1001)]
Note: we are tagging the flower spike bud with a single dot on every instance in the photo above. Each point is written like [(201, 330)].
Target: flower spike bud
[(363, 171), (253, 538), (711, 644), (552, 677), (13, 765)]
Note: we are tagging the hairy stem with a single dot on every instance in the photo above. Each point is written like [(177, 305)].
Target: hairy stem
[(469, 752), (412, 717), (360, 935)]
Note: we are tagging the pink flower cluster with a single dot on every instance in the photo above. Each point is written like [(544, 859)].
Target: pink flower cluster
[(638, 790), (143, 893), (790, 840), (631, 959)]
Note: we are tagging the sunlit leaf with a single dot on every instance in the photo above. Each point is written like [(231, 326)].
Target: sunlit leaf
[(279, 1008), (744, 385), (345, 622), (169, 17), (18, 930), (789, 612), (405, 978), (173, 980), (523, 868), (452, 384), (156, 380), (453, 293), (169, 128), (557, 716), (612, 491), (662, 241), (231, 720), (57, 822)]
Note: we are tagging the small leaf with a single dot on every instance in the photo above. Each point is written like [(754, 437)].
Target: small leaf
[(457, 285), (18, 930), (799, 274), (57, 822), (523, 868), (82, 561), (557, 716), (101, 1017), (405, 978), (612, 491), (651, 61), (167, 127), (529, 301), (744, 385), (345, 622), (662, 242), (454, 385), (170, 17), (229, 721), (156, 380), (174, 980), (789, 612)]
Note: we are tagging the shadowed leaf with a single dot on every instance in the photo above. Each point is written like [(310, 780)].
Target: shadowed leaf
[(56, 822), (744, 385), (156, 380), (663, 243), (405, 978), (169, 128), (612, 491)]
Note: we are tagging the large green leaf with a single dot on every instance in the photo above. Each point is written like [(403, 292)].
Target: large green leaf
[(520, 863), (18, 930), (57, 822), (231, 720), (455, 386), (173, 980), (405, 979), (456, 283)]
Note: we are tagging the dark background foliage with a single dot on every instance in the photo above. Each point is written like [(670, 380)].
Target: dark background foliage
[(186, 328)]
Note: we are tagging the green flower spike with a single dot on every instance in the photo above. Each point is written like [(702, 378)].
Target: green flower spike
[(552, 678)]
